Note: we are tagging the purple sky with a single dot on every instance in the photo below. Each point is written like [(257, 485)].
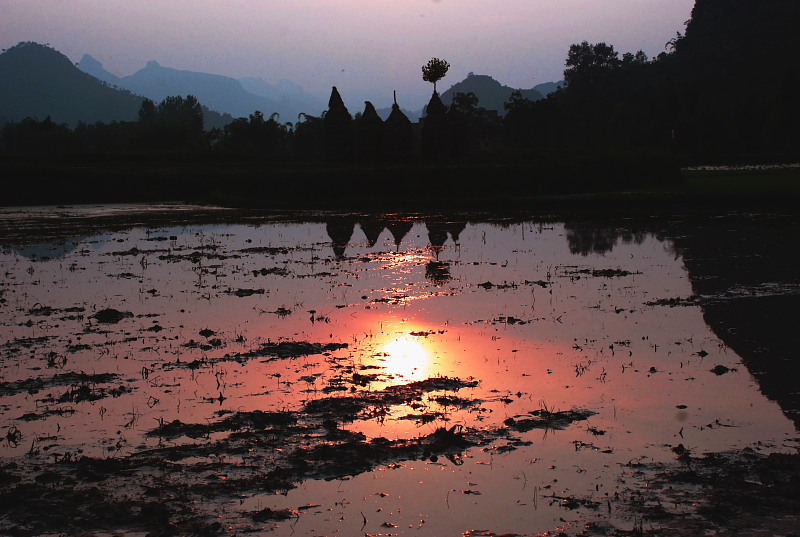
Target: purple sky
[(365, 47)]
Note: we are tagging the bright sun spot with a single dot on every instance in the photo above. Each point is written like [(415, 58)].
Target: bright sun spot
[(406, 358)]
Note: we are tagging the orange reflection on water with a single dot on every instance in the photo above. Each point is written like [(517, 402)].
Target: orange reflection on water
[(406, 359)]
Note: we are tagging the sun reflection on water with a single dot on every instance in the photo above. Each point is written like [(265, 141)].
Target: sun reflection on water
[(406, 359)]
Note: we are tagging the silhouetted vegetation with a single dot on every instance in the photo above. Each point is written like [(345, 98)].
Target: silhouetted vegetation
[(434, 71), (722, 91)]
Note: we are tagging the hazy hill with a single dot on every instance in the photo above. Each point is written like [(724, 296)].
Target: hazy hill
[(548, 87), (215, 91), (37, 81), (292, 99), (90, 65), (93, 67), (240, 98), (490, 93)]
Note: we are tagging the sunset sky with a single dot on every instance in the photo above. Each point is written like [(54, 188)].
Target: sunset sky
[(366, 48)]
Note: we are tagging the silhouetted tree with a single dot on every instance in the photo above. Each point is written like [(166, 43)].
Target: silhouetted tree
[(467, 104), (434, 70), (255, 136), (520, 126), (308, 141), (33, 137), (175, 124), (587, 64), (147, 112)]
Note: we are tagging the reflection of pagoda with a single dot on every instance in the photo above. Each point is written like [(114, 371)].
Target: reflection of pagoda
[(438, 231), (372, 229), (399, 229), (455, 229), (340, 230), (437, 235)]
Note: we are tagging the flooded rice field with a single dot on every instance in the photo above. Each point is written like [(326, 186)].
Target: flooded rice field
[(174, 370)]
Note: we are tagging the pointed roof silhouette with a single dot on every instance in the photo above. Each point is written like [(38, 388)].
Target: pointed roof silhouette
[(397, 115), (435, 106), (370, 115), (336, 100)]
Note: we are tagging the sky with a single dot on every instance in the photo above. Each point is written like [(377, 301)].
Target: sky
[(367, 48)]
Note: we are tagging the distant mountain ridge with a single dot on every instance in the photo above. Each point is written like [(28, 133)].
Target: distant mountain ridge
[(237, 97), (37, 81), (93, 67), (491, 94)]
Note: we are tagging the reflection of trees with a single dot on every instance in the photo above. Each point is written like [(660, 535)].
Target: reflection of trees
[(438, 272), (39, 252), (749, 279), (437, 235), (438, 230), (585, 239)]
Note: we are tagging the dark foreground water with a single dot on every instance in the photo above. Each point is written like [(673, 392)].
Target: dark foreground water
[(187, 370)]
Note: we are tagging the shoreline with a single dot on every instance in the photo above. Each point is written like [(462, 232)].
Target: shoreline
[(592, 184)]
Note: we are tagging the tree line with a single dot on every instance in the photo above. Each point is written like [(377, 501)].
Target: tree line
[(725, 88)]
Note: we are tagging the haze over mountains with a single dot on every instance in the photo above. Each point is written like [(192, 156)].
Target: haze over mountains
[(38, 81), (238, 98)]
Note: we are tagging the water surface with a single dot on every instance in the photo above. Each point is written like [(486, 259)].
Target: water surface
[(218, 319)]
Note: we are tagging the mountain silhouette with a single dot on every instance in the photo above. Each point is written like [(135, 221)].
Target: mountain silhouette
[(239, 98), (547, 88), (93, 67), (218, 92), (38, 81), (491, 94)]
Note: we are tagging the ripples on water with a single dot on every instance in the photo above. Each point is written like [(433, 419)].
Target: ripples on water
[(531, 316)]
